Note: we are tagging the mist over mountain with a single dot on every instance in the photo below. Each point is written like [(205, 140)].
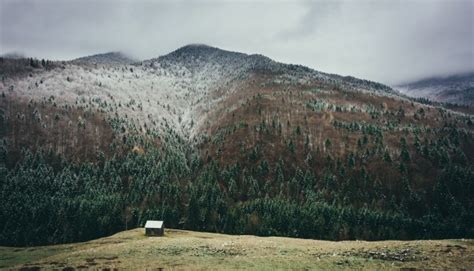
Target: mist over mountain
[(456, 89), (399, 41), (13, 55)]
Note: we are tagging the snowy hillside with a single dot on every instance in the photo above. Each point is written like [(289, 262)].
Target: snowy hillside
[(176, 90)]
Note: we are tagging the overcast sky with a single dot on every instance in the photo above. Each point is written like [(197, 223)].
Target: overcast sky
[(386, 41)]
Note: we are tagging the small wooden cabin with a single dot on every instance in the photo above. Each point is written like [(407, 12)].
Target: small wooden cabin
[(154, 228)]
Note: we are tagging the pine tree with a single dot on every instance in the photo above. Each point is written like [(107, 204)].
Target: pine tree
[(386, 156), (405, 154), (327, 143), (291, 146), (233, 188), (403, 168), (351, 160), (298, 130)]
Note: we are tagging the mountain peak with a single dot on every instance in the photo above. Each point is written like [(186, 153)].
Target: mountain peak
[(200, 57), (197, 49), (114, 57), (196, 56), (198, 46)]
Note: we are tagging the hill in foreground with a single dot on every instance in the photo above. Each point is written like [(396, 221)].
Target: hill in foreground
[(189, 250)]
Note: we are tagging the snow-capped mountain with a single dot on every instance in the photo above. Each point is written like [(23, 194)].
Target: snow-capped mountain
[(457, 89)]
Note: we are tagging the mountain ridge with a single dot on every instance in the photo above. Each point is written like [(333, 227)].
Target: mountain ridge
[(258, 61)]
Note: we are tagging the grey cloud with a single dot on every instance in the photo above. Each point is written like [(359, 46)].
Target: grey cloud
[(387, 41), (317, 14)]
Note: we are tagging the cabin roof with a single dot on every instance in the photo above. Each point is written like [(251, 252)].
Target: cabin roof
[(154, 224)]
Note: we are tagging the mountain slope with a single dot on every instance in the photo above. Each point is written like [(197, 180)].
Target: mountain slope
[(227, 142), (190, 250), (457, 89)]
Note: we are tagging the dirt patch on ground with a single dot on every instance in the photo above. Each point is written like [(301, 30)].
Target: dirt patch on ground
[(404, 255)]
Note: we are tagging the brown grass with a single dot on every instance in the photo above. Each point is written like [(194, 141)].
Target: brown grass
[(187, 250)]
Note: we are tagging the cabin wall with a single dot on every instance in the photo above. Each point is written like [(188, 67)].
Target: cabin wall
[(154, 232)]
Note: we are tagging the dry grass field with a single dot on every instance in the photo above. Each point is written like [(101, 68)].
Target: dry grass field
[(188, 250)]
